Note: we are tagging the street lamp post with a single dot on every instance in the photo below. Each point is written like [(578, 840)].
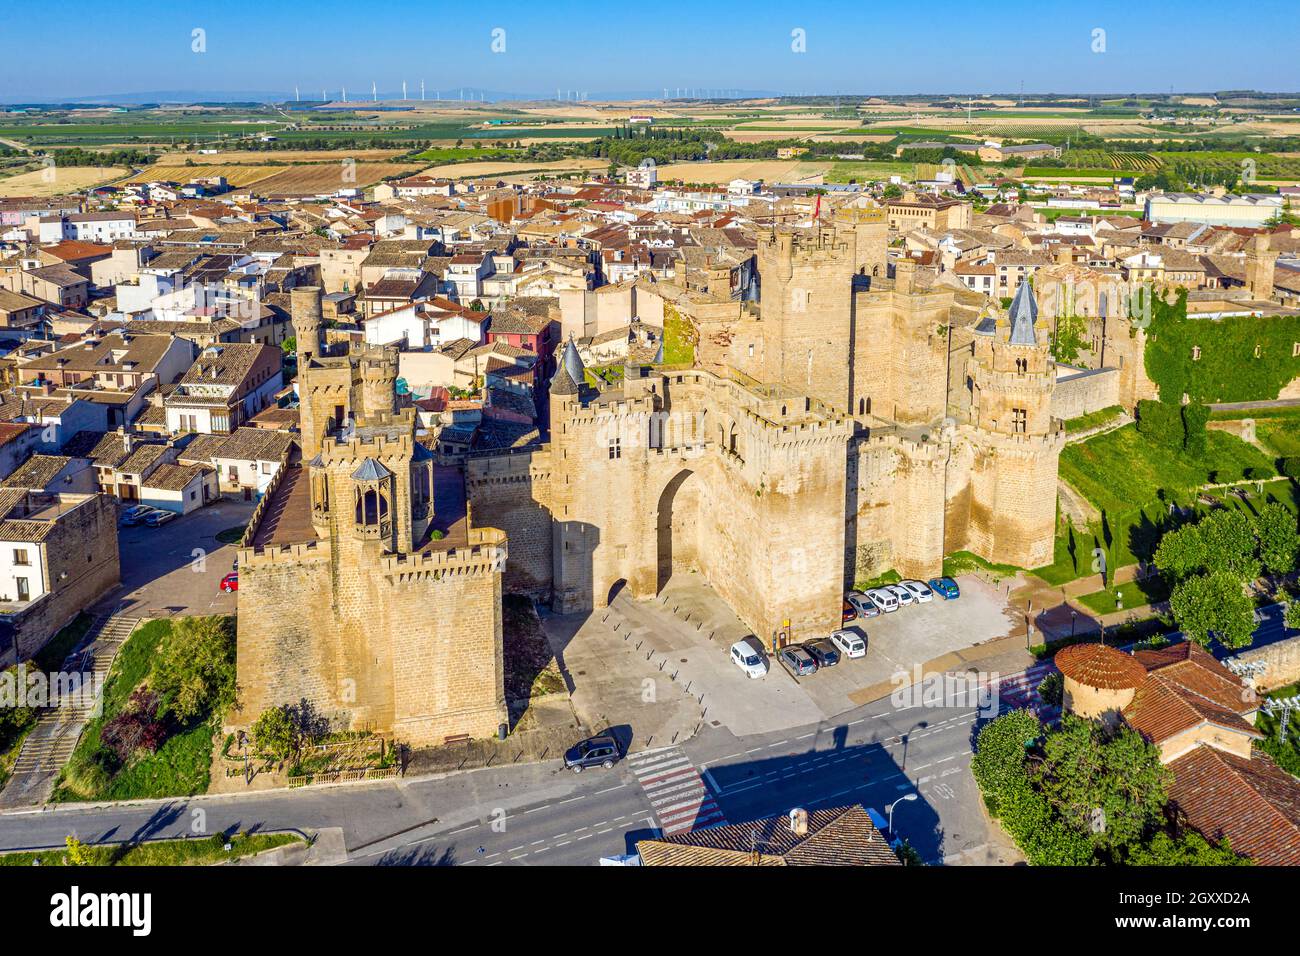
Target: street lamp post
[(889, 811)]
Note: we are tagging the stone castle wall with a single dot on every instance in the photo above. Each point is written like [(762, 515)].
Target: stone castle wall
[(1080, 393), (514, 492)]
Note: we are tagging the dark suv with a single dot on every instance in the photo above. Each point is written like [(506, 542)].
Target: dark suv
[(823, 652), (797, 661), (599, 751)]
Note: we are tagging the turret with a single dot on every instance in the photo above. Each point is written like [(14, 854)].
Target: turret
[(305, 306)]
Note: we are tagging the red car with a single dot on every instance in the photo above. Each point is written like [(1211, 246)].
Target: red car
[(230, 582)]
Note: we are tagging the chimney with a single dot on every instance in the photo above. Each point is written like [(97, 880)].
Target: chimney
[(799, 822)]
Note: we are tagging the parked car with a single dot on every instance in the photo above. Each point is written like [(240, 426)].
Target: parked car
[(599, 751), (230, 582), (797, 661), (133, 514), (157, 516), (903, 594), (884, 599), (919, 591), (862, 604), (946, 588), (851, 643), (823, 651), (848, 612), (136, 514), (749, 658)]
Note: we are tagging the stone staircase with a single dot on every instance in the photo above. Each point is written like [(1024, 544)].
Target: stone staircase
[(53, 739)]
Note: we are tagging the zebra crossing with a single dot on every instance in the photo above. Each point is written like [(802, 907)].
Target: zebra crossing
[(679, 796), (1021, 690)]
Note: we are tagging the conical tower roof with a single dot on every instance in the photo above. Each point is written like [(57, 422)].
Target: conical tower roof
[(1024, 313)]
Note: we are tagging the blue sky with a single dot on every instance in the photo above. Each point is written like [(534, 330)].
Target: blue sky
[(605, 46)]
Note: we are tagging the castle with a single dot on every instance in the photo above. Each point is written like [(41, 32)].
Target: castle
[(363, 588), (848, 423)]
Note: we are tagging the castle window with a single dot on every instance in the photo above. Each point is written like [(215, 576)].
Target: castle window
[(615, 448), (1022, 365), (1196, 353), (1295, 349), (1257, 351), (1019, 420)]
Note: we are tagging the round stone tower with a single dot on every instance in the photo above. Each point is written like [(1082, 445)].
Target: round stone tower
[(1100, 681), (305, 310)]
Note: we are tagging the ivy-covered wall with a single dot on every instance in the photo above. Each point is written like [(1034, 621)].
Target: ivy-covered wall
[(1228, 369)]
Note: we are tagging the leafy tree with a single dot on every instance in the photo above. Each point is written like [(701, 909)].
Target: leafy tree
[(1070, 338), (276, 733), (1180, 553), (1195, 416), (1213, 604), (999, 761), (1228, 544), (1161, 423), (1108, 785), (1293, 614), (1188, 849), (1279, 545), (195, 672)]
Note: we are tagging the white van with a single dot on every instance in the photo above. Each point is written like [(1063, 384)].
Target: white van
[(884, 599), (749, 659), (850, 643)]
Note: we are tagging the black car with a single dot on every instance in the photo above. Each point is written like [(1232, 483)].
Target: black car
[(599, 751), (823, 652)]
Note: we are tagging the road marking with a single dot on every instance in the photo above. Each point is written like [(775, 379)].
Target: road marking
[(611, 789)]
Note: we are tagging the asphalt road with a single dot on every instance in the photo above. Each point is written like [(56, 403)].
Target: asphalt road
[(541, 814)]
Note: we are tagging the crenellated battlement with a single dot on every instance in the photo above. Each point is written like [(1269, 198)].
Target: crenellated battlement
[(486, 554), (284, 554)]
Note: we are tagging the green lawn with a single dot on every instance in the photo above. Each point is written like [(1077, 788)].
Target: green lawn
[(963, 562), (1102, 416), (192, 852), (1281, 434), (1134, 594), (180, 767), (1120, 470)]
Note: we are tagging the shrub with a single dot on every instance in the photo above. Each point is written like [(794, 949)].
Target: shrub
[(1052, 689), (195, 672), (137, 727), (1161, 423)]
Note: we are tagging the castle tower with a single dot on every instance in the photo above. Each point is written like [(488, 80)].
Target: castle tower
[(1011, 374), (376, 382), (1260, 264), (305, 311), (1008, 511), (807, 313), (870, 229)]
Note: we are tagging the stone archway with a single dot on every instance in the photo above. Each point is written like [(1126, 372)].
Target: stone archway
[(675, 513)]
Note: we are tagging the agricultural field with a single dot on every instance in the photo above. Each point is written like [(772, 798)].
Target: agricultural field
[(237, 174), (66, 179), (266, 157), (328, 177), (772, 171), (512, 171)]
